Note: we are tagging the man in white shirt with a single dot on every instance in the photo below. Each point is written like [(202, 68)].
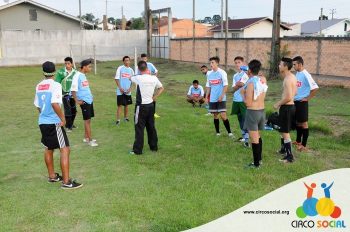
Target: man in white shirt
[(144, 111)]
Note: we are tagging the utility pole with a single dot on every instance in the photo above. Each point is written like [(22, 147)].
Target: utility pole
[(333, 13), (226, 33), (194, 31), (321, 18), (81, 21), (275, 43), (148, 22), (222, 19)]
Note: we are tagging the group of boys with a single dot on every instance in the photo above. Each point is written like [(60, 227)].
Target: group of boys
[(71, 87), (250, 88)]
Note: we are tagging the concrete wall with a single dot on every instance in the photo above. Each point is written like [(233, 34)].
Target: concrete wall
[(324, 56), (18, 18), (337, 29), (35, 47)]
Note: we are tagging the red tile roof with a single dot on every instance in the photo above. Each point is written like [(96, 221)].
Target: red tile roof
[(240, 24)]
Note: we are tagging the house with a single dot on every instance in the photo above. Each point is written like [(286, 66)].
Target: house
[(327, 28), (30, 15), (295, 29), (110, 26), (182, 28), (249, 28)]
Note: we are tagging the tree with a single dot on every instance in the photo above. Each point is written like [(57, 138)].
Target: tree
[(208, 20), (216, 19), (137, 23), (324, 17), (88, 17), (111, 20)]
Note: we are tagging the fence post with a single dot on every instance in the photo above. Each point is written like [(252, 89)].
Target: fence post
[(95, 63), (318, 60)]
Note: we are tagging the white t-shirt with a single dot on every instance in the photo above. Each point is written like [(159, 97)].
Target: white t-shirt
[(146, 84)]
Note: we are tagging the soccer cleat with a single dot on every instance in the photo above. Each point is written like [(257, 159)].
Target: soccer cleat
[(156, 115), (72, 184), (86, 140), (251, 165), (126, 120), (242, 140), (246, 144), (69, 130), (231, 135), (92, 143), (57, 178), (207, 114), (117, 122), (218, 134)]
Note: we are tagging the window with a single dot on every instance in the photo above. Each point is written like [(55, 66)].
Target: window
[(235, 35), (345, 27), (33, 16)]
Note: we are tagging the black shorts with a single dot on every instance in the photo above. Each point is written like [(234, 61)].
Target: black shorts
[(301, 111), (53, 136), (124, 100), (87, 110), (217, 107), (286, 118), (69, 106)]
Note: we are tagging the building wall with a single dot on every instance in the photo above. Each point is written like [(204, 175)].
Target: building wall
[(336, 30), (18, 18), (35, 47), (317, 52), (296, 30), (184, 29)]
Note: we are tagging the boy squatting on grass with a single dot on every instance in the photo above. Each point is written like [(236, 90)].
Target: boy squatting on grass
[(48, 98)]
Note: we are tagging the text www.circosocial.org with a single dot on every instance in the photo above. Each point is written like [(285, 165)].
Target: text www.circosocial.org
[(285, 212)]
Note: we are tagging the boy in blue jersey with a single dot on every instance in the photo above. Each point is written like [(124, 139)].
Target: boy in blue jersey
[(151, 69), (307, 89), (195, 94), (204, 70), (238, 106), (83, 97), (254, 93), (122, 79), (48, 98), (217, 87)]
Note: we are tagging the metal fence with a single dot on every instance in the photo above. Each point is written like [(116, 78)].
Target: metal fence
[(160, 46)]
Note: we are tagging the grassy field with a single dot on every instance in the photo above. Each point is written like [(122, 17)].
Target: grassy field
[(194, 178)]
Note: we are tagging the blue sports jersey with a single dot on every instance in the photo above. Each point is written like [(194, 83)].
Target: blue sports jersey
[(192, 91), (47, 92), (305, 84), (81, 86), (216, 81), (124, 74), (239, 77), (151, 68)]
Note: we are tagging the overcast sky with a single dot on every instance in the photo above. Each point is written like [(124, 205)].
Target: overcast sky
[(292, 10)]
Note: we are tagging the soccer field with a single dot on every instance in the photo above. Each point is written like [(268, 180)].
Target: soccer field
[(194, 178)]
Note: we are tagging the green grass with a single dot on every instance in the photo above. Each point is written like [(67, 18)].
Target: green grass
[(193, 179)]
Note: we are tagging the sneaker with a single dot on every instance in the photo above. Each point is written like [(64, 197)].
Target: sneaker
[(117, 122), (246, 144), (207, 114), (86, 140), (126, 120), (230, 135), (218, 134), (57, 178), (242, 140), (296, 143), (156, 115), (72, 184), (286, 160), (251, 165), (92, 143), (68, 130), (133, 153)]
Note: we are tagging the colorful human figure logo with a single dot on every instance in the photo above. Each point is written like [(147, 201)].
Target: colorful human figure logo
[(323, 206)]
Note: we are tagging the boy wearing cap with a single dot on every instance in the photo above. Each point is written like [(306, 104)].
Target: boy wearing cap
[(48, 98), (238, 106), (83, 97)]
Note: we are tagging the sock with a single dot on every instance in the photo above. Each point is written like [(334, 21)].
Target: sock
[(68, 122), (73, 118), (260, 149), (283, 149), (246, 136), (288, 147), (255, 148), (243, 133), (217, 125), (299, 133), (305, 136), (227, 125)]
